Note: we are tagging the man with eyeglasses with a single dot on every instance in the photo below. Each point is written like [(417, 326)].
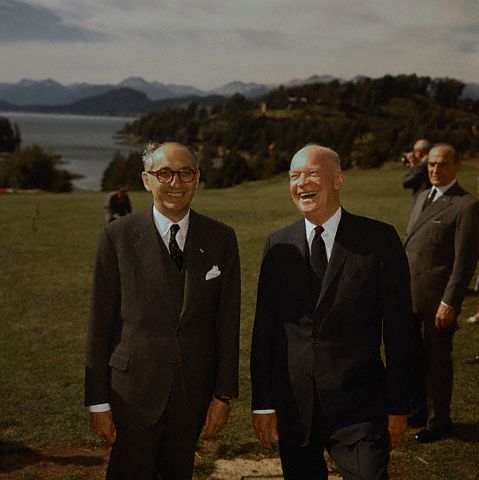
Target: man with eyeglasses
[(332, 286), (163, 343)]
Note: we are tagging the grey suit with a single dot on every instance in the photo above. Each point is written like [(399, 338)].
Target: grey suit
[(442, 245), (157, 333)]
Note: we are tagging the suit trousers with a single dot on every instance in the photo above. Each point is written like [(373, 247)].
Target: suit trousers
[(360, 451), (165, 451), (434, 374)]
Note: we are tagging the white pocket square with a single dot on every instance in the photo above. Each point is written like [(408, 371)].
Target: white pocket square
[(213, 273)]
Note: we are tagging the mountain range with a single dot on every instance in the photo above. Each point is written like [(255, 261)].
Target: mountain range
[(135, 95), (50, 92)]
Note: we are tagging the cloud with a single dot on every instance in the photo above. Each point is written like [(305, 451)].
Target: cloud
[(212, 42), (23, 22)]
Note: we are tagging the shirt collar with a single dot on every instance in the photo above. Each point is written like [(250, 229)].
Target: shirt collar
[(163, 223), (444, 188), (330, 225)]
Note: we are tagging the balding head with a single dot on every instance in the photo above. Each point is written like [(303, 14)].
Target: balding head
[(326, 154), (421, 148), (443, 164), (159, 150)]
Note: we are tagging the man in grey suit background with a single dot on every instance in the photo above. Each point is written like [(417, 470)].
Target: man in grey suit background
[(442, 248), (163, 342)]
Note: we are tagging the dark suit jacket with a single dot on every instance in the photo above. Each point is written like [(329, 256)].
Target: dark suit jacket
[(138, 339), (417, 178), (336, 342), (442, 245)]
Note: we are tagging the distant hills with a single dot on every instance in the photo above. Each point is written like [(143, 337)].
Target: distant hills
[(51, 92), (135, 95)]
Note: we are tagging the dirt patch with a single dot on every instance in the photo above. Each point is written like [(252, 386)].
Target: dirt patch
[(52, 463)]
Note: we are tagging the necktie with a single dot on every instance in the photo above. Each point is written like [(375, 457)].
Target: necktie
[(175, 253), (318, 260), (429, 199)]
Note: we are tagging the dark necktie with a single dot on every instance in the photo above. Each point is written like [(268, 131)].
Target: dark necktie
[(175, 253), (319, 261), (429, 199)]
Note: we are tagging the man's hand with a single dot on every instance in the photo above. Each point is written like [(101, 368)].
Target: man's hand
[(216, 418), (266, 427), (445, 316), (397, 425), (102, 424)]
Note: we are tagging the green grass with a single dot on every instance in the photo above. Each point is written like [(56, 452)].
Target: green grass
[(47, 246)]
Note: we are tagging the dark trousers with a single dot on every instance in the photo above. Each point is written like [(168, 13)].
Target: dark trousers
[(434, 374), (165, 451), (360, 452)]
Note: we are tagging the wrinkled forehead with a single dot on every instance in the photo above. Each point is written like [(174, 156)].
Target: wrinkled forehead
[(308, 158), (172, 156), (442, 155)]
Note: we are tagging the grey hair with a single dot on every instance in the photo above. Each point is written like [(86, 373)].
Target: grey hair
[(448, 147), (422, 145), (152, 147)]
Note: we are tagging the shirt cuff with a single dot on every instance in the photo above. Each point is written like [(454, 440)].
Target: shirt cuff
[(100, 407), (444, 303), (262, 412)]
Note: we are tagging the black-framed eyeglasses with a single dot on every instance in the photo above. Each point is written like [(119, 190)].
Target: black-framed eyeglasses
[(166, 175)]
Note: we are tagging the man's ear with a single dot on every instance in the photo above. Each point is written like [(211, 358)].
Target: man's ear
[(338, 181), (146, 181)]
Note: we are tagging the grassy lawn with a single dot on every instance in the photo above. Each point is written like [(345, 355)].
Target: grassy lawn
[(47, 246)]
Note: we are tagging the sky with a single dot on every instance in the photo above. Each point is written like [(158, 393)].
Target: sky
[(208, 43)]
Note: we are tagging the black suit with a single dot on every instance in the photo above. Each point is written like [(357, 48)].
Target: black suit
[(162, 342), (331, 346)]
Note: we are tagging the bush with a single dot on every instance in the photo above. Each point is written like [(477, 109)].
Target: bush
[(35, 168)]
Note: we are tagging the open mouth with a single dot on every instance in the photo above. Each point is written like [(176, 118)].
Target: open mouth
[(174, 194), (307, 195)]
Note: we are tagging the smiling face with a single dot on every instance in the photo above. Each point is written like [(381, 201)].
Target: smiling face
[(315, 182), (172, 199)]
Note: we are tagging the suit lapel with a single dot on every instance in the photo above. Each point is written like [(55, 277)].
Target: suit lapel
[(151, 250), (195, 246), (422, 216)]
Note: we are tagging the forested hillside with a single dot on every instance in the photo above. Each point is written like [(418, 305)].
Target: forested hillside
[(367, 122)]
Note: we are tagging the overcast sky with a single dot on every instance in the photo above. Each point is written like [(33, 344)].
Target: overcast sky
[(207, 43)]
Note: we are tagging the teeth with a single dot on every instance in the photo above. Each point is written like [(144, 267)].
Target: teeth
[(308, 194)]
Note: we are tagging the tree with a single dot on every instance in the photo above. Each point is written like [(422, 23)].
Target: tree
[(10, 138), (35, 168)]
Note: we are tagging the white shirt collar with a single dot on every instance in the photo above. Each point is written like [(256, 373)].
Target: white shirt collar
[(442, 189), (330, 228), (163, 225)]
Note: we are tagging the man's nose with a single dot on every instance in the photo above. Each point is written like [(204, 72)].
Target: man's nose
[(302, 178), (176, 179)]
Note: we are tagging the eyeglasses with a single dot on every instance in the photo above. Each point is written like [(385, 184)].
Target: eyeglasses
[(166, 175)]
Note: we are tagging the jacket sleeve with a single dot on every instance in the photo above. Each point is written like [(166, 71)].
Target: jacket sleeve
[(262, 347), (228, 323), (466, 252), (398, 325), (104, 322)]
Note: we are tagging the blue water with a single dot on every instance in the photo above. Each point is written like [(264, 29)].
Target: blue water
[(85, 143)]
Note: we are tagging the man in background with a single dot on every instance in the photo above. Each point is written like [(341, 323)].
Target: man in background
[(417, 178), (163, 342), (117, 204), (442, 248), (331, 287)]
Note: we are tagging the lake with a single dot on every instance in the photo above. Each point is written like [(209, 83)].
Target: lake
[(86, 143)]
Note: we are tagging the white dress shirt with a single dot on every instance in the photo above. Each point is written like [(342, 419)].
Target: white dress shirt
[(163, 225)]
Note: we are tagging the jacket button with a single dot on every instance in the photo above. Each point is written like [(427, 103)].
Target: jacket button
[(171, 363), (314, 340)]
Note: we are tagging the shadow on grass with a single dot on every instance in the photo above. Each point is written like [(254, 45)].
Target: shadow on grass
[(15, 456), (467, 432)]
